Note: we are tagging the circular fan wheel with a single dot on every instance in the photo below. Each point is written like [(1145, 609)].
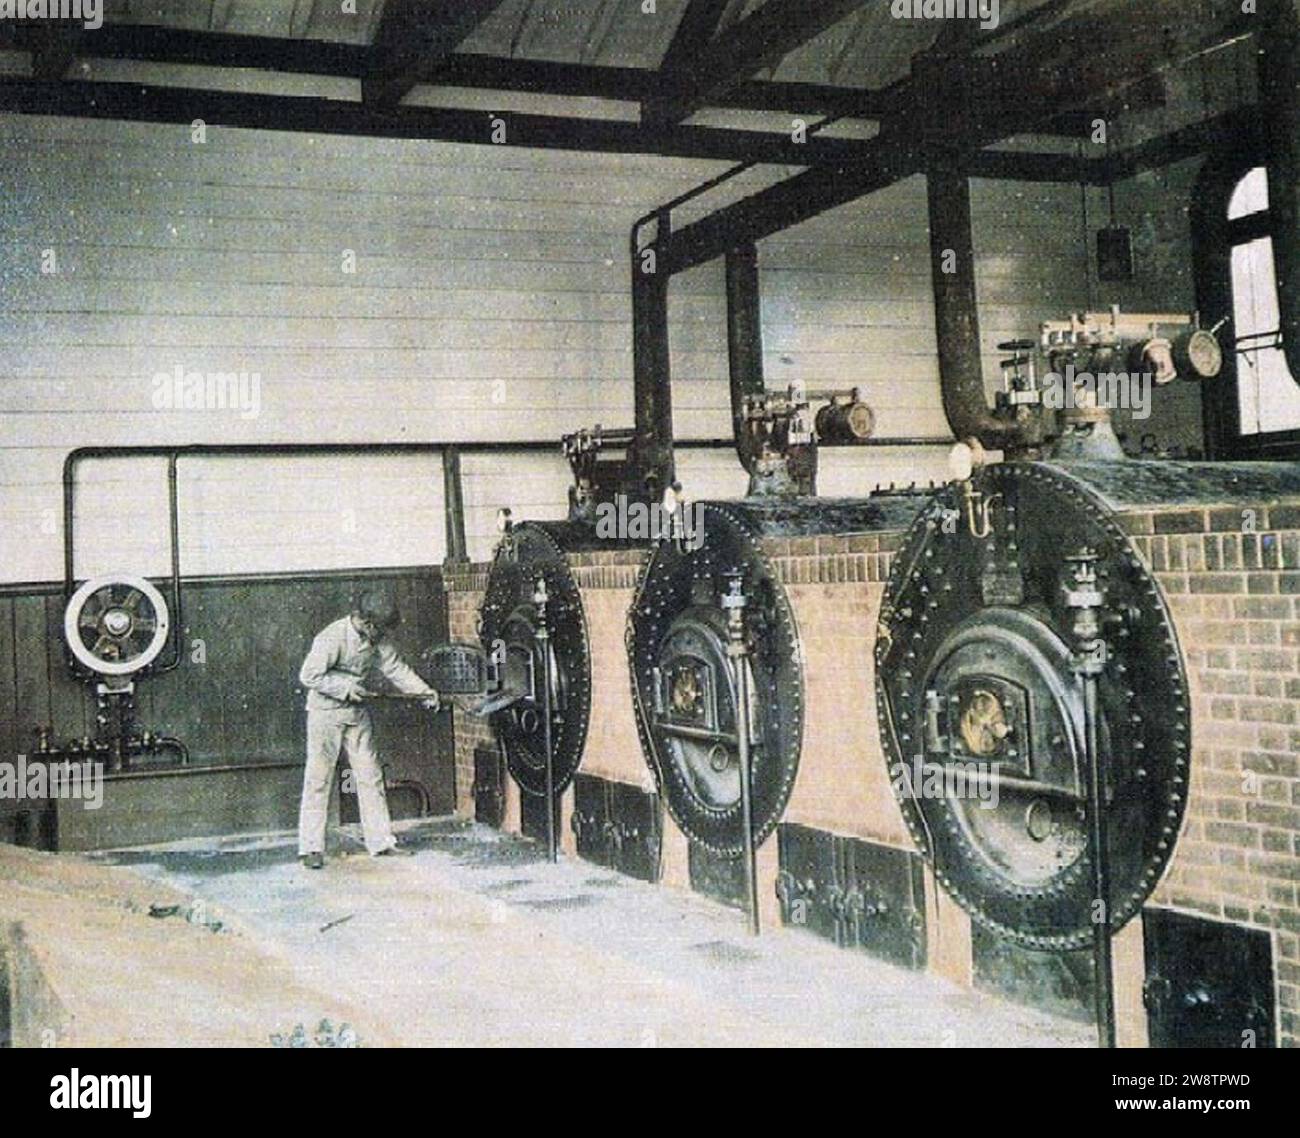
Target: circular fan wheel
[(116, 625)]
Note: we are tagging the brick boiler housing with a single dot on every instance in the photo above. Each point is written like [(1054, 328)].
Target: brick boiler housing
[(1231, 578)]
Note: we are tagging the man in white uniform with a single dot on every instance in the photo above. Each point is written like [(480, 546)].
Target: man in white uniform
[(334, 674)]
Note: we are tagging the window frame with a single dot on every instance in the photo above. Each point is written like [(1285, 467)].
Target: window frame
[(1214, 237)]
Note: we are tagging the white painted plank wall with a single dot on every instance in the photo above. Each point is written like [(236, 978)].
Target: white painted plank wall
[(490, 301)]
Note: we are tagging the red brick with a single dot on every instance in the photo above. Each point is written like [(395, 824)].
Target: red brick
[(1227, 520), (1261, 584), (1257, 632), (1277, 841), (1270, 549), (1281, 868), (1186, 521), (1225, 683), (1267, 711), (1264, 608), (1233, 834), (1270, 762), (1217, 583), (1270, 814)]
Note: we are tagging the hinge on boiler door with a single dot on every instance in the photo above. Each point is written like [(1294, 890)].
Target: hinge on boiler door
[(796, 897), (936, 739), (1155, 994), (581, 824)]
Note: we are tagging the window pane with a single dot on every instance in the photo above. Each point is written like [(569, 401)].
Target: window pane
[(1268, 397), (1250, 196), (1254, 289)]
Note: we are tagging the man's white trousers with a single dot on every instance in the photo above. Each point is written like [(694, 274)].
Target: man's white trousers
[(346, 732)]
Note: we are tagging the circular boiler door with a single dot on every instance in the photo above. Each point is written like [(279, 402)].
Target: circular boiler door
[(981, 712), (694, 722), (683, 693), (522, 723), (1003, 752), (508, 626)]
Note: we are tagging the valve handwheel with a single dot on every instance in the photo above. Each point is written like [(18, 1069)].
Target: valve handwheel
[(116, 625)]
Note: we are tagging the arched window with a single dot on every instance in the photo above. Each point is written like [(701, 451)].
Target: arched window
[(1254, 409), (1268, 398)]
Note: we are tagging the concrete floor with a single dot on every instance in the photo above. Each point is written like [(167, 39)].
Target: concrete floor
[(478, 941)]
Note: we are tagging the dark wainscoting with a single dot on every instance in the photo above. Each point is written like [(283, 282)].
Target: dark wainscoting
[(235, 699)]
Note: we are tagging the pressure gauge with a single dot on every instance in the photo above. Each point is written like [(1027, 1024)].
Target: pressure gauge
[(1201, 354)]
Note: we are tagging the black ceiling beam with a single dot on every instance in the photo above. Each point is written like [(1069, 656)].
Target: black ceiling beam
[(153, 44), (1033, 166), (699, 23), (759, 40), (139, 103), (481, 72), (1238, 127), (413, 40), (54, 45), (953, 107)]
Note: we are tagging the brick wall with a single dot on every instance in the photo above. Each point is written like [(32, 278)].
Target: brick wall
[(1232, 580), (835, 585), (607, 581), (466, 585)]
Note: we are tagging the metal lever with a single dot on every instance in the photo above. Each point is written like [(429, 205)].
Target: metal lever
[(541, 599), (1084, 598), (735, 602)]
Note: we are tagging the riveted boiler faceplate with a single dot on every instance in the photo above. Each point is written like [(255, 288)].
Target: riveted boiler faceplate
[(684, 692), (508, 629), (982, 714)]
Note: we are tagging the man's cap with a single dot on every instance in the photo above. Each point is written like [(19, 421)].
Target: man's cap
[(380, 609)]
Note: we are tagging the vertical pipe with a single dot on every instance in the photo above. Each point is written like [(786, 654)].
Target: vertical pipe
[(956, 310), (69, 493), (652, 452), (174, 537), (738, 655), (1084, 598), (453, 501), (744, 337), (540, 598), (1103, 975)]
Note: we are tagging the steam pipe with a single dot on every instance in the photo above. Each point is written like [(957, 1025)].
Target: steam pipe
[(296, 450), (744, 339), (454, 498), (174, 532), (735, 601), (543, 638), (651, 453), (956, 313)]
